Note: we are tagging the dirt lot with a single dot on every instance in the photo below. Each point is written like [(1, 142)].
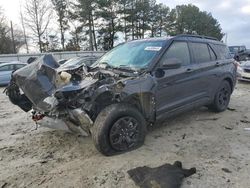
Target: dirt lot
[(216, 144)]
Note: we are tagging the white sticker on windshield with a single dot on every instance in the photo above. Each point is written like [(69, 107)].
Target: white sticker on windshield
[(153, 48)]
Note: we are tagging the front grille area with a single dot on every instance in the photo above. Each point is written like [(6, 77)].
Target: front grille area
[(247, 70)]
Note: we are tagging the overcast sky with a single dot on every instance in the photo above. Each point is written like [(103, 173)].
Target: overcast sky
[(233, 15)]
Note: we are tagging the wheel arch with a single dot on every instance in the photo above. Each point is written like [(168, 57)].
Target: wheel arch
[(144, 102), (230, 81)]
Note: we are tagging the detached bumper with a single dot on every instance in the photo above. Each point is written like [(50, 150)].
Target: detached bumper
[(55, 123)]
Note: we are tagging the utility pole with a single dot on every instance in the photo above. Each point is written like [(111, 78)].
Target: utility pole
[(12, 36), (226, 38)]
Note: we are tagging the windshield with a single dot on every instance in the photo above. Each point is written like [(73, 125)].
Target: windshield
[(135, 55)]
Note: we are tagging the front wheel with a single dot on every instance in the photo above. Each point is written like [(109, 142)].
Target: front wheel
[(118, 128), (222, 97)]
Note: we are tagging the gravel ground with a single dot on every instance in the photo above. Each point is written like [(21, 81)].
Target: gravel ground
[(216, 144)]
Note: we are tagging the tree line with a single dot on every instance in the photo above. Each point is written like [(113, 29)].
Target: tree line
[(100, 24)]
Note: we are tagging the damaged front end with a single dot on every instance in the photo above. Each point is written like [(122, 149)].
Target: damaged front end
[(68, 98)]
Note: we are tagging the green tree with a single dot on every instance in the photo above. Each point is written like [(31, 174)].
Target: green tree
[(76, 38), (60, 7), (84, 11), (110, 23), (5, 40), (190, 20), (159, 19)]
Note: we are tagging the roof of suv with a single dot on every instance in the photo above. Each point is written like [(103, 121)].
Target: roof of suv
[(198, 38)]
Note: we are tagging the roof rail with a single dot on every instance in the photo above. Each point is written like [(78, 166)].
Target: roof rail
[(197, 36)]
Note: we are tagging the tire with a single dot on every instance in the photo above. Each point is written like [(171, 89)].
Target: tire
[(222, 97), (117, 129)]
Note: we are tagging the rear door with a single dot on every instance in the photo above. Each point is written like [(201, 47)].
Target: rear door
[(224, 63), (206, 64), (178, 88), (5, 73)]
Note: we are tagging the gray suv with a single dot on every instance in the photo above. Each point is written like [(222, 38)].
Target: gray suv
[(136, 84)]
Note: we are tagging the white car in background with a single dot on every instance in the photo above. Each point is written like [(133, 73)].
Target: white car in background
[(6, 70), (244, 71)]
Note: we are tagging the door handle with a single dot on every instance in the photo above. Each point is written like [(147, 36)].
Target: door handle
[(189, 70), (217, 64)]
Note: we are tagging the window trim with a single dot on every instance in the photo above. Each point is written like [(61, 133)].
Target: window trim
[(211, 49)]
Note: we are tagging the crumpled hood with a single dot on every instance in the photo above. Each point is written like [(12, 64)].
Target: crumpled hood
[(39, 80)]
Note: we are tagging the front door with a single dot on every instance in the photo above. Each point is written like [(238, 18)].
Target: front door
[(178, 87)]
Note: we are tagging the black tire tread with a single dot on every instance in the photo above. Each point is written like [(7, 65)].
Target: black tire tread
[(101, 127), (214, 107)]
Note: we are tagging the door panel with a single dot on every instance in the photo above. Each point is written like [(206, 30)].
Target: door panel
[(206, 66), (178, 87)]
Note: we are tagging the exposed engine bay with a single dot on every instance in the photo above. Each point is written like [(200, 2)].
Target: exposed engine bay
[(68, 97)]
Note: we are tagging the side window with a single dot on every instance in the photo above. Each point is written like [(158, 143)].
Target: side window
[(212, 54), (222, 51), (201, 53), (5, 68), (179, 51), (19, 66)]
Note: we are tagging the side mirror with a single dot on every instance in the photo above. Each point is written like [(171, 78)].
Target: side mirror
[(171, 63)]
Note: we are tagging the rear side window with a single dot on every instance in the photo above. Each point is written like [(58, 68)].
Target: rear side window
[(179, 51), (222, 51), (201, 52), (212, 54)]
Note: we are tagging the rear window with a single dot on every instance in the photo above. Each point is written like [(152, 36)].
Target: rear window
[(201, 52)]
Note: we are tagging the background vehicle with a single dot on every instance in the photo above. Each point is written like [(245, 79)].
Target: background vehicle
[(62, 61), (135, 84), (6, 70), (1, 62), (240, 53), (244, 71), (79, 61)]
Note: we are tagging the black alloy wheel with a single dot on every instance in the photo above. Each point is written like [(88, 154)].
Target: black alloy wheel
[(124, 134)]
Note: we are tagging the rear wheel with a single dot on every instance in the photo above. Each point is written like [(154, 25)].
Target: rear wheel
[(222, 97), (118, 128)]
